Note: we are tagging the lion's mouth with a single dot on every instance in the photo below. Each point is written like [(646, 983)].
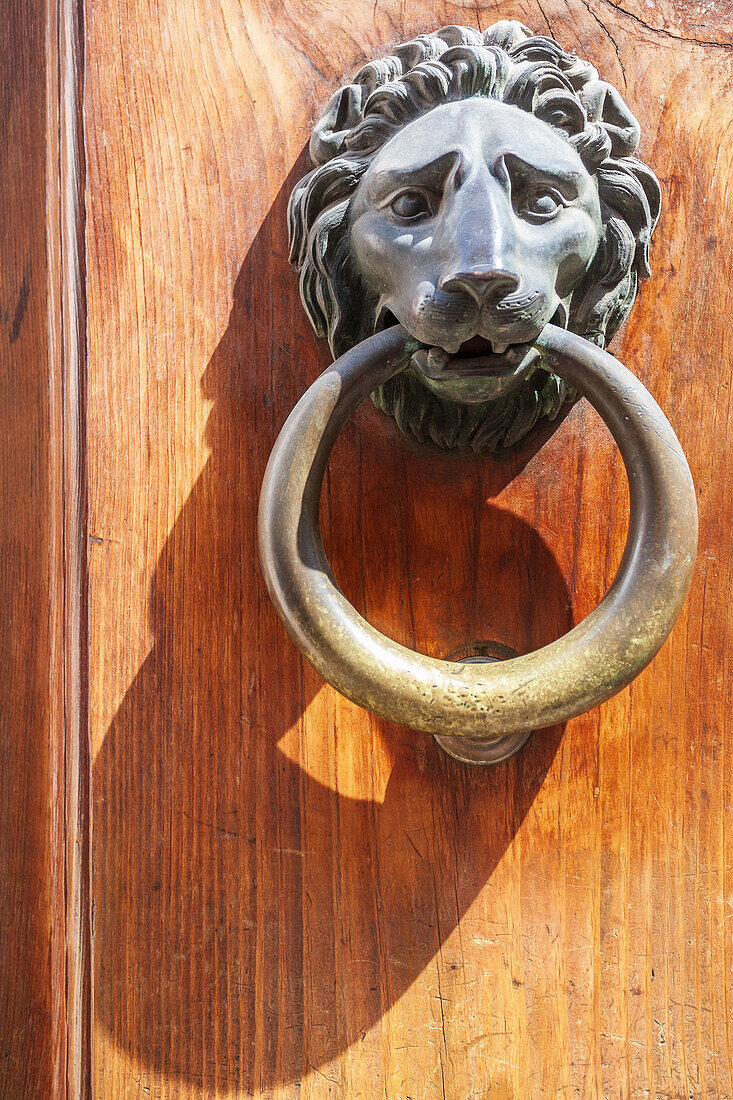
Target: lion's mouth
[(475, 357)]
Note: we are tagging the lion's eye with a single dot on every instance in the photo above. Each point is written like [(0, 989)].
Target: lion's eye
[(409, 205), (540, 204)]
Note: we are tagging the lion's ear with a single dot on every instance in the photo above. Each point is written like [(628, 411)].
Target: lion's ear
[(341, 115), (604, 105)]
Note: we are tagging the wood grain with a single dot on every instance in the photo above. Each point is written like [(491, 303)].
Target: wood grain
[(33, 1048), (292, 898)]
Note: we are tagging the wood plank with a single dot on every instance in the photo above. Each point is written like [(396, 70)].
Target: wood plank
[(33, 693), (292, 898)]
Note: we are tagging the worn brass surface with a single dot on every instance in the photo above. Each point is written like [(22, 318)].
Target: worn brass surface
[(596, 659)]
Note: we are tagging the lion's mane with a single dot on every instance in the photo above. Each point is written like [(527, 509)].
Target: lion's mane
[(509, 64)]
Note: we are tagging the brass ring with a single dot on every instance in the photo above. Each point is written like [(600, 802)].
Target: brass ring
[(589, 664)]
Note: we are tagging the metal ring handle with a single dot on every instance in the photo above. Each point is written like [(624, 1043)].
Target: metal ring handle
[(588, 665)]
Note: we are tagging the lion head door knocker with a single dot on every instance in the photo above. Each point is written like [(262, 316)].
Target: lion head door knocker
[(472, 234)]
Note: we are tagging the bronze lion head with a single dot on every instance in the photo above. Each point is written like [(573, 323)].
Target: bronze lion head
[(473, 187)]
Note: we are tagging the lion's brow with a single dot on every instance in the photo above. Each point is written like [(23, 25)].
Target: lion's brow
[(556, 172), (425, 172), (432, 172)]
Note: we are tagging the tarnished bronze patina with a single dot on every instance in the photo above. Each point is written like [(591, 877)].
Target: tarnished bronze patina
[(481, 189), (474, 187)]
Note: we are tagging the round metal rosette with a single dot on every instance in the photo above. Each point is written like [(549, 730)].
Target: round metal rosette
[(488, 702)]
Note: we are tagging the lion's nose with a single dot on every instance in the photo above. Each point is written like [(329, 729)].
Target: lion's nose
[(480, 283)]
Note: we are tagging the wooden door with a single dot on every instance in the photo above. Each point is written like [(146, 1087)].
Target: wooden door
[(218, 877)]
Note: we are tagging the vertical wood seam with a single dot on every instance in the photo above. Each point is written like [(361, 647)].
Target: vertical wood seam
[(69, 610), (56, 555)]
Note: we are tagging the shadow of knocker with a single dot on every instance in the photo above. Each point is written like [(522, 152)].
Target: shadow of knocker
[(251, 919)]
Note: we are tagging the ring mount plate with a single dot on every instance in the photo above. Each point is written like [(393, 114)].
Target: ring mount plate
[(480, 750)]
